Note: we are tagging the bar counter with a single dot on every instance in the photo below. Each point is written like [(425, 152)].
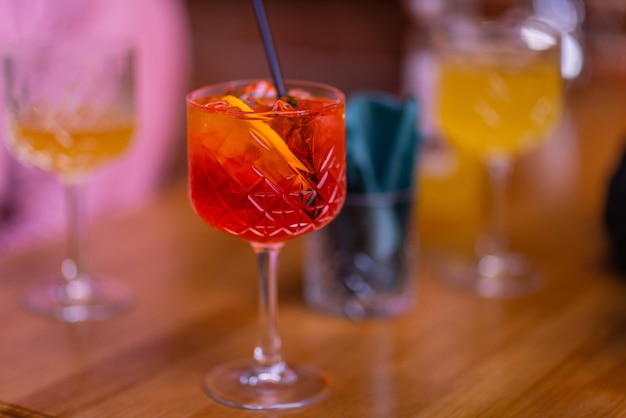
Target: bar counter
[(560, 352)]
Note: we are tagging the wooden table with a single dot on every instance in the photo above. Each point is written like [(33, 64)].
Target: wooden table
[(558, 353)]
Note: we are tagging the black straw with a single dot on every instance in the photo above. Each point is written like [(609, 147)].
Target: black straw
[(269, 47)]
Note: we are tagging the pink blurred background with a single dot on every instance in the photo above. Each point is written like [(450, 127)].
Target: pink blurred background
[(32, 205)]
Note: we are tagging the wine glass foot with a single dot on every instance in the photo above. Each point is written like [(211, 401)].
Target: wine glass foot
[(97, 300), (505, 277), (236, 384)]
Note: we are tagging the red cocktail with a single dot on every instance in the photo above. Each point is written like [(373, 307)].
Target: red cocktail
[(266, 169)]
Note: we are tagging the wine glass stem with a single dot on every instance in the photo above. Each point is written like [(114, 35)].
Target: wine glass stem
[(75, 266), (267, 352), (499, 169)]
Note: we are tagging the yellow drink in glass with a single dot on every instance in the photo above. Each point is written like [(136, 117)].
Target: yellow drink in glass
[(70, 109), (495, 106), (70, 152), (499, 95)]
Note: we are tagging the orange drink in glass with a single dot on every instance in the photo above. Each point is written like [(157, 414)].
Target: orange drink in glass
[(71, 109)]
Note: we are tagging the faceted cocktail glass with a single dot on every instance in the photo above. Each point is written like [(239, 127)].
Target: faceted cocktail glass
[(266, 171)]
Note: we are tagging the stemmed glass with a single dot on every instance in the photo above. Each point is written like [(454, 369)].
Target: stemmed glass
[(70, 109), (266, 170), (499, 95)]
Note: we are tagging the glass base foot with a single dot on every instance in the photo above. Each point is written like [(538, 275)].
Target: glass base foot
[(502, 277), (78, 301), (236, 384)]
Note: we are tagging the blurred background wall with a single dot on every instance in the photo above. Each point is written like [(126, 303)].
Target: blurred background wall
[(351, 44)]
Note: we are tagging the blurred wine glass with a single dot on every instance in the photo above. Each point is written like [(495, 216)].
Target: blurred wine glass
[(70, 110), (499, 96)]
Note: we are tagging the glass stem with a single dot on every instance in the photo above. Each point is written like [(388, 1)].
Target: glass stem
[(499, 169), (267, 352), (75, 269)]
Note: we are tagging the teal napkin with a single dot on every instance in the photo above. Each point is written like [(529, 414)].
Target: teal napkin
[(363, 266), (382, 142)]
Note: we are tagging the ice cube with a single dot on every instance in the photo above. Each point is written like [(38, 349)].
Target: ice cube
[(299, 93), (258, 90)]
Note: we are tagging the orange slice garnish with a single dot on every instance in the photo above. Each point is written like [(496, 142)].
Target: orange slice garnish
[(266, 135)]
